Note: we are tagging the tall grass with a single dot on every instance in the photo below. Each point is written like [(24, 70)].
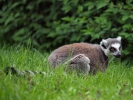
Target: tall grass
[(115, 84)]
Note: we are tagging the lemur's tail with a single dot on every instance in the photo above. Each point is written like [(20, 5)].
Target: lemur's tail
[(24, 73), (10, 69)]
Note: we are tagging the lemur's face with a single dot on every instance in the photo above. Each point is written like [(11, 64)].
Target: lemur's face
[(111, 46)]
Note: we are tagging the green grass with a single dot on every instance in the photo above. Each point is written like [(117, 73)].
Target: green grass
[(115, 84)]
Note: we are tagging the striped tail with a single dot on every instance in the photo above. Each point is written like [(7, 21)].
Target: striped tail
[(24, 73)]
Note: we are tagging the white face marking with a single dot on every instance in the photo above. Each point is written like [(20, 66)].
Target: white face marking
[(106, 51), (116, 46), (118, 38)]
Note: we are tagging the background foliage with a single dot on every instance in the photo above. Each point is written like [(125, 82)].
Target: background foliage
[(47, 24)]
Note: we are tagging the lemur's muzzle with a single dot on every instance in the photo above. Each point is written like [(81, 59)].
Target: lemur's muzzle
[(118, 55)]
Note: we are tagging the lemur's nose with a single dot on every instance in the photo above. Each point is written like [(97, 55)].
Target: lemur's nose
[(118, 55)]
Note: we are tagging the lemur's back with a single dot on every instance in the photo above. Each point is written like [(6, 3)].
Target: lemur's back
[(92, 51)]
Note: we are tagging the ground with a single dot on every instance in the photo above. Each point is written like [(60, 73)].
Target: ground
[(115, 84)]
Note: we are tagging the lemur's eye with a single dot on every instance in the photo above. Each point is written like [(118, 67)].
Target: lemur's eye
[(112, 49)]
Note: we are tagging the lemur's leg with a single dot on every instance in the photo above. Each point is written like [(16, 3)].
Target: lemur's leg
[(80, 63)]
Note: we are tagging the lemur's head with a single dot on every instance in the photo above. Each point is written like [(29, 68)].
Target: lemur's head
[(111, 46)]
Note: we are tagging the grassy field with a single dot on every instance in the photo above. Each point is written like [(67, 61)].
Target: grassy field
[(115, 84)]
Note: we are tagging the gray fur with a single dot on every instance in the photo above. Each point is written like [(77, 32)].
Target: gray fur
[(112, 41), (80, 63), (98, 54)]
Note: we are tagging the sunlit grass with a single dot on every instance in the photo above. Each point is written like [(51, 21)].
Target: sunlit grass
[(115, 84)]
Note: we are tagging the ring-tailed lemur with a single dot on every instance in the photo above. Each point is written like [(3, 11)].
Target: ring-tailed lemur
[(98, 54), (81, 57)]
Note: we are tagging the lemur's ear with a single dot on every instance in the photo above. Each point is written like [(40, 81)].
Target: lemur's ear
[(104, 44), (119, 38)]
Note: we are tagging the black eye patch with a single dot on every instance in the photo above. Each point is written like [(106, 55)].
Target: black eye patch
[(112, 49)]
